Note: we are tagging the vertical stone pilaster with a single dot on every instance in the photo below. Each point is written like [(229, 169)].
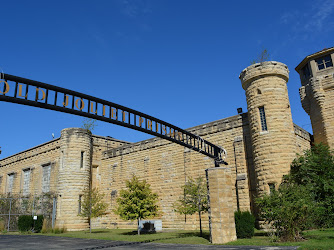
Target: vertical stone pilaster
[(221, 212), (242, 179)]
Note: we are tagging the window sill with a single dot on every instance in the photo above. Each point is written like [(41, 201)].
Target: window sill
[(264, 132)]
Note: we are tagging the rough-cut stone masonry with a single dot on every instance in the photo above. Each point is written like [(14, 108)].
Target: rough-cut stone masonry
[(273, 136), (167, 166), (317, 95), (31, 160), (256, 158), (221, 211)]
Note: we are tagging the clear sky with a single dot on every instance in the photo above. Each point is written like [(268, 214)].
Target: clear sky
[(177, 60)]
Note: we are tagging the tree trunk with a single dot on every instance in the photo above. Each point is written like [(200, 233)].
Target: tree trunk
[(138, 220), (200, 223), (90, 225)]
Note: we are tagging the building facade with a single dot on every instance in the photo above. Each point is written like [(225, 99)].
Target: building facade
[(261, 145)]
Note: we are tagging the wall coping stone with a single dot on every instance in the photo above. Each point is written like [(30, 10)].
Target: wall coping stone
[(263, 69)]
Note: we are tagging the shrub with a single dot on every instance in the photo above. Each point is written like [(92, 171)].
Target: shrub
[(38, 223), (46, 228), (2, 226), (25, 223), (58, 230), (244, 224), (290, 210)]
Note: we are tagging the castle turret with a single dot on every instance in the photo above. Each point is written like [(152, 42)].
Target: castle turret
[(317, 93), (74, 176), (270, 120)]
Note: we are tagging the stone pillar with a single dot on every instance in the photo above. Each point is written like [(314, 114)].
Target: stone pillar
[(221, 212), (270, 121), (242, 180), (74, 176)]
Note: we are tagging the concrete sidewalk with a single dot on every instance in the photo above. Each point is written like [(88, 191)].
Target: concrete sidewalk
[(10, 242)]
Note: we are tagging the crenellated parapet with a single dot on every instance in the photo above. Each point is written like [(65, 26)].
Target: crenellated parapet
[(260, 70)]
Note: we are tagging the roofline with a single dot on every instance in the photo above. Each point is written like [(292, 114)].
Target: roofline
[(312, 56), (32, 148), (110, 139)]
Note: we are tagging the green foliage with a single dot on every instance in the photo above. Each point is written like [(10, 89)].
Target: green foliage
[(2, 225), (315, 170), (305, 198), (25, 223), (89, 124), (244, 224), (194, 200), (92, 204), (38, 223), (59, 230), (289, 210), (137, 201)]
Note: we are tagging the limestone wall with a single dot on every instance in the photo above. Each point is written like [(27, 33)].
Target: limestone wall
[(272, 131), (317, 97), (167, 166), (303, 139), (32, 160)]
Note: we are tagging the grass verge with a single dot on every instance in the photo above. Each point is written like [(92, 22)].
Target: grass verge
[(315, 239)]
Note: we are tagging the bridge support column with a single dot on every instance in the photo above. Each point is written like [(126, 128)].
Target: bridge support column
[(221, 212)]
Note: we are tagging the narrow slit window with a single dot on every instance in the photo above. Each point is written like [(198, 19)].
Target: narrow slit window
[(82, 159), (263, 119), (79, 205)]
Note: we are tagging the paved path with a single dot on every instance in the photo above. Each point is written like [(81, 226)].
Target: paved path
[(10, 242)]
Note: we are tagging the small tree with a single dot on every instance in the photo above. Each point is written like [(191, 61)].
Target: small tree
[(194, 200), (89, 124), (263, 56), (137, 201), (92, 205)]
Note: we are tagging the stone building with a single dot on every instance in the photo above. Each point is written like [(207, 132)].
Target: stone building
[(260, 143)]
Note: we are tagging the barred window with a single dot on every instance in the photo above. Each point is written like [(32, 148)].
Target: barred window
[(263, 119), (324, 62), (26, 181), (46, 178), (10, 182)]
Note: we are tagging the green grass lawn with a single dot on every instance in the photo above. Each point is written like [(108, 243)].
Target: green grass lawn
[(316, 239)]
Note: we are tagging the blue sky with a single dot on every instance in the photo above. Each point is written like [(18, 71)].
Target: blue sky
[(177, 60)]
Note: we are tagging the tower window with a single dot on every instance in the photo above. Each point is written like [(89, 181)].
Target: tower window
[(306, 71), (324, 62), (82, 159), (79, 205), (263, 119)]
